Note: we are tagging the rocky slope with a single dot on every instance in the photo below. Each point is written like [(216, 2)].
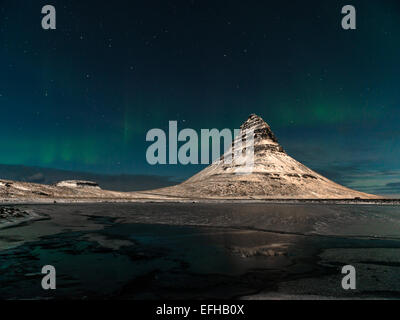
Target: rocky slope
[(275, 175), (65, 191)]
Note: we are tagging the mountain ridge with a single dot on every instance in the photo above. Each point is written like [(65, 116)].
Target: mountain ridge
[(275, 175)]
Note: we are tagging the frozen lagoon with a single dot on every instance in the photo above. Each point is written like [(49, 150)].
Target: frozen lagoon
[(203, 250)]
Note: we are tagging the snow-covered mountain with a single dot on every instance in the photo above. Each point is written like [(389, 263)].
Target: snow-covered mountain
[(275, 175)]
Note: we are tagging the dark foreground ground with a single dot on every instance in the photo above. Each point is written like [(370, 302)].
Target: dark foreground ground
[(186, 251)]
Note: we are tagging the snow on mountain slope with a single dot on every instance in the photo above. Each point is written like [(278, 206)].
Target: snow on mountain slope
[(275, 175)]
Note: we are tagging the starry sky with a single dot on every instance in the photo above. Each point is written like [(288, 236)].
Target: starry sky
[(83, 97)]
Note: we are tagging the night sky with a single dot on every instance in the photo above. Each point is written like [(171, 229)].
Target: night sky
[(83, 97)]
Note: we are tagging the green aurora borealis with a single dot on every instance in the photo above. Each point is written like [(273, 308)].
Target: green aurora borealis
[(83, 97)]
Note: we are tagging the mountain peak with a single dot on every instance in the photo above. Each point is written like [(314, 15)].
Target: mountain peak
[(263, 135), (273, 175)]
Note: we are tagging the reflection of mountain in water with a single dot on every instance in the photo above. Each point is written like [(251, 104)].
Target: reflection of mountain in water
[(218, 251)]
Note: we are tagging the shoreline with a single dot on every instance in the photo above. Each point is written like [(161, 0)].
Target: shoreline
[(12, 202)]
